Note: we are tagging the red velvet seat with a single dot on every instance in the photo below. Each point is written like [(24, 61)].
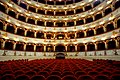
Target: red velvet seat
[(93, 73), (69, 77), (8, 77), (38, 77), (44, 73), (102, 77), (53, 77), (18, 72), (56, 73), (66, 73), (85, 77), (22, 77), (7, 72), (30, 73), (79, 73), (115, 77)]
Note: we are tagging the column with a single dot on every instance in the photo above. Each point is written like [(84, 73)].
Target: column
[(65, 23), (75, 34), (74, 11), (45, 11), (15, 30), (94, 31), (25, 32), (117, 44), (92, 5), (54, 11), (85, 49), (54, 36), (84, 21), (74, 23), (5, 27), (27, 7), (45, 35), (102, 13), (95, 48), (65, 12), (17, 15), (112, 7), (85, 33), (35, 34), (44, 48), (84, 8), (36, 9), (104, 28), (3, 44), (93, 18), (66, 36), (7, 10), (66, 48), (54, 48), (26, 19), (36, 22), (24, 47), (19, 2), (14, 46), (45, 23), (34, 48), (106, 47), (115, 25), (54, 24), (76, 47)]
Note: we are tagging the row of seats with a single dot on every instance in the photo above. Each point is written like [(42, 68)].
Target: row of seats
[(55, 69)]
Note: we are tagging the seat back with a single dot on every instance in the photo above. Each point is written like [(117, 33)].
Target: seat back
[(38, 77)]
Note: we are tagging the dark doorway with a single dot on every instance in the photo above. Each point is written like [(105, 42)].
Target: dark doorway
[(60, 48), (60, 56)]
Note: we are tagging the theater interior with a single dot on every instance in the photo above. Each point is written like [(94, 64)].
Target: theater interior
[(59, 39)]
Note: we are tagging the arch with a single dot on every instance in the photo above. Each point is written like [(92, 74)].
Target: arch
[(81, 47), (19, 46), (90, 33), (20, 31), (60, 56), (9, 45), (49, 48), (40, 35), (110, 26), (80, 34), (118, 23), (10, 28), (71, 48), (49, 36), (60, 48), (2, 8), (90, 47), (60, 36), (99, 30), (31, 21), (30, 33), (111, 44), (39, 48), (29, 47), (21, 18), (12, 13), (101, 46), (1, 25), (98, 16), (71, 35)]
